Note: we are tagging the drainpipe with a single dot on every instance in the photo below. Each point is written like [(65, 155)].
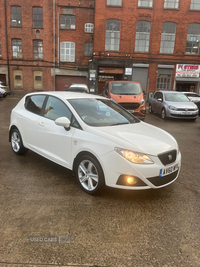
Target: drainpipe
[(54, 80), (58, 40), (8, 63)]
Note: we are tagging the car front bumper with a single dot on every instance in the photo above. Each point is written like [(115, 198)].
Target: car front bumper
[(182, 114), (154, 175)]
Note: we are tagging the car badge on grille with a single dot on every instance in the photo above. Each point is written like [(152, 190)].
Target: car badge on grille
[(186, 109), (170, 157)]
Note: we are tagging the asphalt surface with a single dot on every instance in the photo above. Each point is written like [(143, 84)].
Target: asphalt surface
[(47, 220)]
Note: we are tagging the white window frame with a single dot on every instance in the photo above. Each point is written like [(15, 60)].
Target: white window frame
[(194, 5), (112, 36), (168, 38), (193, 39), (171, 4), (142, 39), (67, 51), (145, 3), (114, 2), (89, 27)]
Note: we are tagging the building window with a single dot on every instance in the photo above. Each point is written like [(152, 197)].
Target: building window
[(142, 36), (67, 51), (114, 2), (193, 39), (67, 22), (171, 3), (16, 16), (18, 79), (195, 4), (168, 37), (38, 80), (145, 3), (17, 48), (89, 27), (112, 34), (163, 82), (88, 49), (37, 17), (37, 49)]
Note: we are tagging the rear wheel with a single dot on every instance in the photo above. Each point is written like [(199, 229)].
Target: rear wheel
[(16, 143), (163, 114), (89, 174)]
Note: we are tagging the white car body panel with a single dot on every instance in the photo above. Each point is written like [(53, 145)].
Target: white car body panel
[(55, 143)]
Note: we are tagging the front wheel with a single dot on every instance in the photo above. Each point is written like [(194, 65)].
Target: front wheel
[(163, 114), (89, 174), (16, 143), (150, 109)]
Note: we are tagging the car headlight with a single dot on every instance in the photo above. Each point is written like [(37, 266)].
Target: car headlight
[(142, 102), (172, 108), (134, 157)]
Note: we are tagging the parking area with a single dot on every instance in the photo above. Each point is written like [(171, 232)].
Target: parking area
[(47, 220)]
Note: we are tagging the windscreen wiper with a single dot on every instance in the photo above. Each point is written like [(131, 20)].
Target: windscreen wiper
[(119, 123)]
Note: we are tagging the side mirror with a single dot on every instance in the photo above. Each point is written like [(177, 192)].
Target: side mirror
[(63, 121), (144, 92), (106, 92), (160, 99)]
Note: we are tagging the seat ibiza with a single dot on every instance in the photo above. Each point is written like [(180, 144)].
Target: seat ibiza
[(96, 138)]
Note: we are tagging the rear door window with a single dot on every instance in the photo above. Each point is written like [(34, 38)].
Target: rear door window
[(34, 103)]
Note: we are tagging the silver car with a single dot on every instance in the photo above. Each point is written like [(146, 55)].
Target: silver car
[(173, 104)]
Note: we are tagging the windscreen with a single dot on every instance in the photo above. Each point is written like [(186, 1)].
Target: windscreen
[(176, 97), (100, 112), (125, 88)]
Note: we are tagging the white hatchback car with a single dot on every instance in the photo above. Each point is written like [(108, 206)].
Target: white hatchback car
[(95, 137)]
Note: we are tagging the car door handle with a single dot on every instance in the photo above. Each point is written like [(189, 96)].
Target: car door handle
[(41, 123), (20, 117)]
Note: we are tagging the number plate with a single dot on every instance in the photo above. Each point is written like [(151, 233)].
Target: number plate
[(168, 170), (186, 113)]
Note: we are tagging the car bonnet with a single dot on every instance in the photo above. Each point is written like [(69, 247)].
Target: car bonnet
[(140, 137)]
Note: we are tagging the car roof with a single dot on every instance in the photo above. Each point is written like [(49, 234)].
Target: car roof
[(165, 91), (78, 85), (189, 93), (66, 94)]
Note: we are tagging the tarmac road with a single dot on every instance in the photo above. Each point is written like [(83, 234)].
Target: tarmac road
[(47, 220)]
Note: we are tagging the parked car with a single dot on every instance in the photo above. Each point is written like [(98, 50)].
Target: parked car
[(4, 89), (173, 104), (128, 94), (81, 88), (194, 97), (102, 142)]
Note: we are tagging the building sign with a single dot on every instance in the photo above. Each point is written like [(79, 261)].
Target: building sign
[(92, 73), (184, 70), (128, 71), (144, 15), (111, 70)]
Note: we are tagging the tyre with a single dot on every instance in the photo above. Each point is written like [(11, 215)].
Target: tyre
[(16, 143), (89, 174), (163, 114), (150, 109)]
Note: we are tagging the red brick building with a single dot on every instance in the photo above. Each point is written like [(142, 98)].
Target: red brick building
[(48, 45)]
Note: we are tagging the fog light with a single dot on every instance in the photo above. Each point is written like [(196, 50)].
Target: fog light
[(128, 180), (131, 180)]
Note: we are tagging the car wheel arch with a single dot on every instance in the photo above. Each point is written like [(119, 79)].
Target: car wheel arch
[(84, 153), (10, 131)]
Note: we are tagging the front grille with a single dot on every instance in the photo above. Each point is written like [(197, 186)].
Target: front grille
[(130, 106), (186, 109), (168, 158), (159, 181)]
